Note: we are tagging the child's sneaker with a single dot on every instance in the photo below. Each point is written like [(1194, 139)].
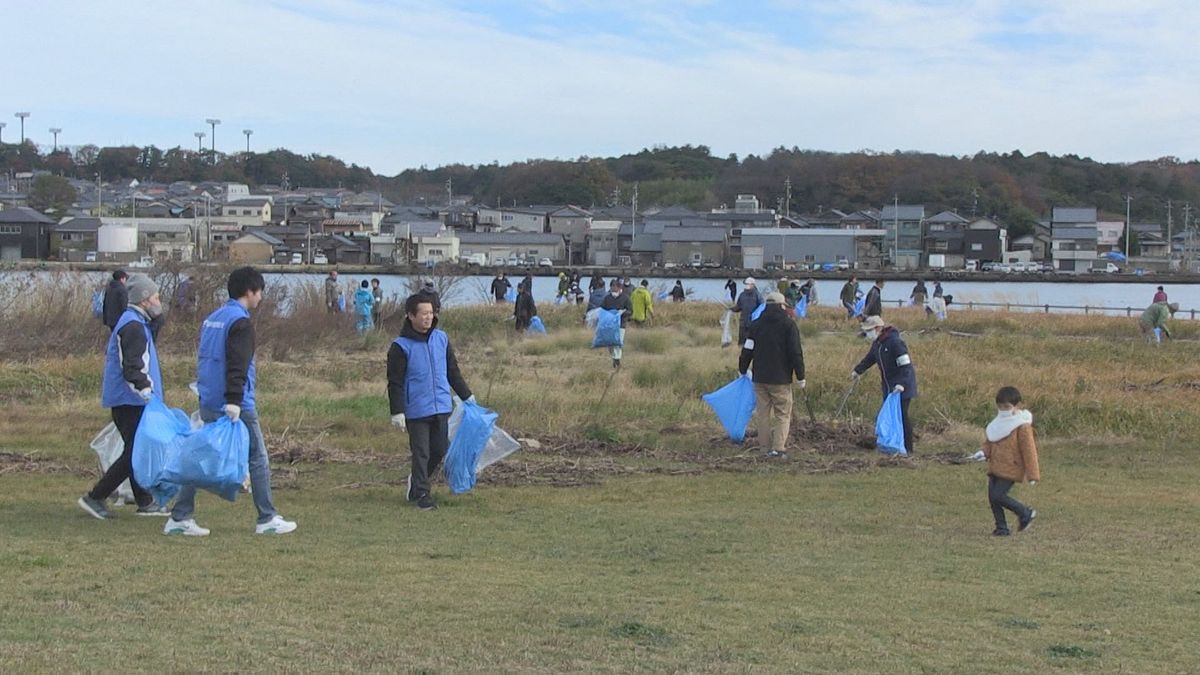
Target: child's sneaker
[(187, 528), (276, 525), (1025, 523)]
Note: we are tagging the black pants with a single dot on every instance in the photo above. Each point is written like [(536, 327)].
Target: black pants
[(428, 439), (126, 417), (908, 431), (522, 323), (998, 497)]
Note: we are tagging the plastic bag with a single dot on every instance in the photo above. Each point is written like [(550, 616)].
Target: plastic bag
[(591, 317), (215, 457), (499, 445), (536, 325), (758, 311), (510, 295), (608, 329), (859, 305), (801, 307), (1158, 332), (664, 295), (98, 304), (727, 328), (734, 406), (889, 427), (152, 444), (472, 434), (109, 445)]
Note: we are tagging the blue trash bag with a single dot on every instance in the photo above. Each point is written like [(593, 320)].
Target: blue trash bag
[(664, 295), (859, 305), (1158, 335), (341, 303), (802, 307), (98, 304), (536, 325), (559, 299), (734, 406), (758, 311), (510, 295), (608, 329), (469, 440), (215, 457), (889, 427), (153, 444)]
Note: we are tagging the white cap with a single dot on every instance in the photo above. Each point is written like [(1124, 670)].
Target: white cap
[(749, 281)]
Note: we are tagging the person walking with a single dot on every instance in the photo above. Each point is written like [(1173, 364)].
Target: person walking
[(677, 292), (874, 302), (1160, 295), (810, 292), (500, 286), (773, 348), (1011, 452), (642, 303), (524, 308), (564, 285), (744, 307), (364, 305), (617, 299), (331, 292), (528, 281), (227, 381), (731, 287), (376, 303), (896, 371), (919, 293), (116, 299), (422, 370), (849, 295), (131, 378)]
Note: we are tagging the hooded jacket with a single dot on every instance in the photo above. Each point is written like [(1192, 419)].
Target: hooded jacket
[(642, 303), (890, 353), (773, 346), (422, 370), (1010, 448), (747, 302), (874, 304), (116, 299)]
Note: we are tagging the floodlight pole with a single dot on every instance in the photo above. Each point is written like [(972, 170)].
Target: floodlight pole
[(21, 116), (56, 131), (213, 122), (199, 140), (248, 133)]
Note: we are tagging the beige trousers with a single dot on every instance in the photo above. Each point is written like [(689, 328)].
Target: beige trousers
[(774, 412)]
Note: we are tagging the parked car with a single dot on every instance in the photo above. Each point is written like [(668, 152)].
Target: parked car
[(320, 259), (90, 256), (843, 265), (297, 258), (545, 262), (143, 262), (1106, 268)]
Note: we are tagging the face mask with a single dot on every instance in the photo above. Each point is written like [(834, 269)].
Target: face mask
[(154, 311)]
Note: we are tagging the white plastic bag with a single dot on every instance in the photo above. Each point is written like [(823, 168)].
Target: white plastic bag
[(591, 317), (499, 445), (109, 445), (727, 328)]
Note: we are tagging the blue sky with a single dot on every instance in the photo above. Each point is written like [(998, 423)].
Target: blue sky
[(393, 84)]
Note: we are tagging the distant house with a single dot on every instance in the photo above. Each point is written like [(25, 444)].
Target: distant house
[(945, 234), (1108, 235), (341, 249), (984, 240), (24, 233), (1073, 248), (786, 247), (165, 239), (528, 247), (693, 246), (523, 220), (1073, 216), (249, 212), (574, 224), (71, 239), (904, 249), (865, 219), (254, 247)]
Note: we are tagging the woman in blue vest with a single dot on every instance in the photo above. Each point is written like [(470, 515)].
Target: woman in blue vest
[(422, 371), (131, 378), (225, 379), (896, 371)]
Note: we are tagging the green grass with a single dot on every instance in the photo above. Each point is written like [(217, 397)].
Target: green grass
[(659, 561)]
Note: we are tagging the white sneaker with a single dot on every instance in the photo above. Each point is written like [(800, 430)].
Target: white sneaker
[(978, 456), (276, 525), (188, 528)]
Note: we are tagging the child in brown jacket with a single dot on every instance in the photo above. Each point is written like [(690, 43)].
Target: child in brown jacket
[(1012, 457)]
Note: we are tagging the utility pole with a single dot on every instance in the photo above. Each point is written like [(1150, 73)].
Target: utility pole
[(1128, 226), (1170, 242), (974, 201), (199, 140), (99, 197), (2, 125), (896, 229), (213, 122), (449, 192), (633, 212), (1187, 230), (248, 133), (56, 131), (21, 116), (787, 198)]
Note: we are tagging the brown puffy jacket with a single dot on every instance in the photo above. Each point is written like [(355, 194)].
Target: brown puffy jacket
[(1014, 457)]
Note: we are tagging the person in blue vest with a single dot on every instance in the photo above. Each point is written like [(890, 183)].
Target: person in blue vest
[(896, 371), (225, 377), (131, 378), (422, 371)]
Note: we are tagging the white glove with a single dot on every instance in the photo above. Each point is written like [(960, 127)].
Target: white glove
[(1032, 483), (471, 399), (233, 412), (146, 393), (399, 422), (801, 383), (854, 375), (899, 389)]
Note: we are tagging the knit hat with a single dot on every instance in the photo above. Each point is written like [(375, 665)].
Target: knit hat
[(140, 287), (775, 298), (1174, 307)]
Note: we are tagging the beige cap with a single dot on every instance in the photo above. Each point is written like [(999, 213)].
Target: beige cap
[(872, 322), (775, 298)]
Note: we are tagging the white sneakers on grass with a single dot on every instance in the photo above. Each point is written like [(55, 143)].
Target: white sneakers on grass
[(189, 528), (276, 525)]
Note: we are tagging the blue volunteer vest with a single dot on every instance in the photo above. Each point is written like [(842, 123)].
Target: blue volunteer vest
[(114, 390), (426, 387), (210, 359)]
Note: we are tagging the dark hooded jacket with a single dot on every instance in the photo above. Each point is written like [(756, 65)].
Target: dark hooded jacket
[(890, 353), (116, 299), (773, 346)]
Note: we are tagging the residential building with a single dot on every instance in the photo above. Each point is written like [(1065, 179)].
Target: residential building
[(865, 219), (254, 247), (944, 235), (24, 233), (787, 247), (1108, 235), (694, 246), (984, 240), (250, 212), (1073, 248), (528, 247), (1037, 243), (574, 224), (341, 249), (1073, 216), (905, 226), (165, 239), (443, 246), (72, 239), (522, 220), (602, 241)]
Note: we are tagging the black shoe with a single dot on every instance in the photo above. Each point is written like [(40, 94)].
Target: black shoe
[(95, 508), (1025, 523), (616, 364), (426, 503), (408, 493), (999, 532)]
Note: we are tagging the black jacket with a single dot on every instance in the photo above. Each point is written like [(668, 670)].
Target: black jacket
[(873, 305), (397, 367), (620, 302), (731, 286), (500, 287), (116, 299), (773, 346), (524, 307)]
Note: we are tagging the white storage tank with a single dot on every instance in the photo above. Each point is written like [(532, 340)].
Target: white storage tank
[(113, 238)]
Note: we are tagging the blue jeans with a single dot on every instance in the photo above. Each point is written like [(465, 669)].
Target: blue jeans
[(260, 473)]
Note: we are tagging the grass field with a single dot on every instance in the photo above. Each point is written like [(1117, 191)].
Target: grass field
[(634, 538)]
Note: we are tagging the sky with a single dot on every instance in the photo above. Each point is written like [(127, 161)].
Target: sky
[(396, 84)]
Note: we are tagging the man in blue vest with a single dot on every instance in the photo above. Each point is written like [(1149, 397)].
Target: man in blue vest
[(422, 371), (225, 379), (131, 378)]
